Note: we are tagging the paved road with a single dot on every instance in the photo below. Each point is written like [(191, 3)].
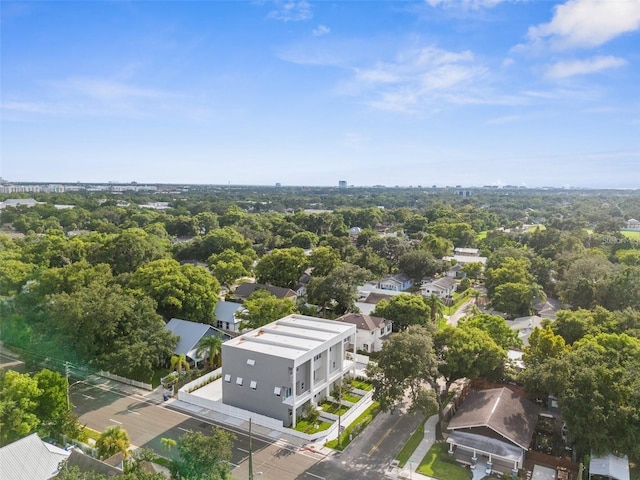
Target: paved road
[(147, 423), (369, 455)]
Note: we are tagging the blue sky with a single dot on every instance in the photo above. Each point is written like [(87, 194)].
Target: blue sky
[(443, 92)]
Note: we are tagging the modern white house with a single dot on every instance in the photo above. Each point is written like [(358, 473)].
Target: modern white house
[(633, 224), (462, 256), (279, 369), (442, 287), (370, 331)]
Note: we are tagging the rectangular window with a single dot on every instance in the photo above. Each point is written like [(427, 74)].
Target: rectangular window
[(251, 362), (227, 378), (276, 391), (287, 392), (239, 381), (253, 384), (302, 386)]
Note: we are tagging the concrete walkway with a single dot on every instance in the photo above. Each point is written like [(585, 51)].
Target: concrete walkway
[(410, 469)]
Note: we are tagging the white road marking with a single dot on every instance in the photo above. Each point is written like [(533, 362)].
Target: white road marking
[(131, 411), (88, 397), (184, 429), (115, 421), (314, 475), (242, 450)]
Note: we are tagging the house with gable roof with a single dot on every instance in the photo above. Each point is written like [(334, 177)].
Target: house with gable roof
[(30, 458), (370, 331), (497, 424), (442, 287), (226, 315), (398, 282), (190, 334)]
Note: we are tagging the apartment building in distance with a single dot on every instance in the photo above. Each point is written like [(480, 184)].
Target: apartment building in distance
[(279, 369)]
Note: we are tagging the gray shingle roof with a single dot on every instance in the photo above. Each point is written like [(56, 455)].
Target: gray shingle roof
[(246, 289), (363, 322)]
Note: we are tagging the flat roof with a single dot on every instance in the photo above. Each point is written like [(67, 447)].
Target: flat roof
[(292, 336)]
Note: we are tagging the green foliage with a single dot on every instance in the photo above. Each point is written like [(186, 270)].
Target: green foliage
[(113, 440), (406, 362), (338, 288), (203, 457), (18, 405), (282, 267), (131, 249), (496, 327), (418, 264), (601, 400), (324, 260), (261, 307), (404, 310), (184, 291), (211, 347)]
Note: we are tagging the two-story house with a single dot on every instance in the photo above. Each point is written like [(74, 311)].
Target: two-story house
[(279, 369), (370, 331)]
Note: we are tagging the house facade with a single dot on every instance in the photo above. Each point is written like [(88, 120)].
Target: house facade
[(442, 287), (397, 283), (226, 315), (633, 224), (281, 368), (370, 331), (495, 424)]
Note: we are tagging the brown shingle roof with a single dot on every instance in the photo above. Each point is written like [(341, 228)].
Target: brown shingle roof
[(246, 289), (501, 410)]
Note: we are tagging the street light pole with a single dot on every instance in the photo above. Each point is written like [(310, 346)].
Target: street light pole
[(66, 374)]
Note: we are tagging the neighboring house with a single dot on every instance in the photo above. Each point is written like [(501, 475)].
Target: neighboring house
[(462, 256), (85, 463), (354, 232), (226, 315), (31, 459), (246, 289), (398, 282), (190, 334), (467, 252), (370, 331), (609, 466), (442, 287), (456, 271), (524, 326), (497, 424), (19, 202), (301, 287), (279, 369), (633, 224)]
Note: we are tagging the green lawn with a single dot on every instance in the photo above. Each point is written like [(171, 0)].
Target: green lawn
[(361, 385), (437, 463), (349, 397), (331, 407), (631, 235), (411, 445), (305, 427), (482, 235)]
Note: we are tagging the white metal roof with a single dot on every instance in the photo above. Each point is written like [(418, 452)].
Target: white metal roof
[(610, 466), (31, 459)]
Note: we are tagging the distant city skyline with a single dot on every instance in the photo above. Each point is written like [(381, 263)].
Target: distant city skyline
[(444, 92)]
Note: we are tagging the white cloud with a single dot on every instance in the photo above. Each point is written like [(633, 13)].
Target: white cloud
[(321, 30), (291, 11), (587, 23), (107, 90), (570, 68), (465, 4)]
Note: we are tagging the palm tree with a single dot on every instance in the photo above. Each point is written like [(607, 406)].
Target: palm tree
[(436, 305), (178, 362), (167, 443), (113, 440), (211, 346)]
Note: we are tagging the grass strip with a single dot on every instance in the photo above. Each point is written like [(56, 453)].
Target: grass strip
[(411, 445), (358, 425)]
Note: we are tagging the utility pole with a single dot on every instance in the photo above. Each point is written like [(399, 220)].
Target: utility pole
[(66, 374), (250, 453)]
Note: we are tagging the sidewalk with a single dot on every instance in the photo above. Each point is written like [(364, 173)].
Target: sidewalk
[(414, 460)]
